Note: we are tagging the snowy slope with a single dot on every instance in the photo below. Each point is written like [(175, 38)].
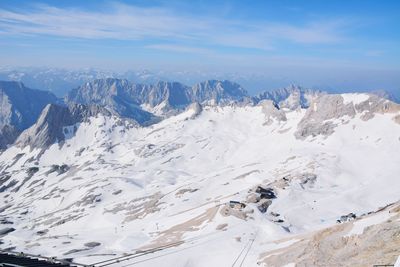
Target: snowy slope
[(111, 189)]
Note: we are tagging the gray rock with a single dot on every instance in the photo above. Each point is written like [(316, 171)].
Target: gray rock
[(8, 134), (307, 179), (6, 231), (197, 109), (42, 232), (315, 121), (272, 112), (32, 170), (21, 106), (49, 127), (60, 169), (386, 95), (292, 97), (116, 95), (92, 244), (264, 205), (253, 198), (175, 95), (218, 92), (126, 99), (329, 107), (376, 104)]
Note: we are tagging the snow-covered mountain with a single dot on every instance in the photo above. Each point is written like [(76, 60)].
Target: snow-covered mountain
[(143, 103), (274, 182), (116, 95), (54, 124)]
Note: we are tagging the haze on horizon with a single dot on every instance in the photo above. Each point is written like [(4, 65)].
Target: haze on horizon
[(352, 45)]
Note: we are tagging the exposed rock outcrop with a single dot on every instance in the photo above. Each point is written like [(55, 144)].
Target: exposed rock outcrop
[(376, 104), (218, 92), (292, 97), (272, 112), (196, 108), (377, 245), (139, 101), (8, 134), (320, 116), (316, 120), (21, 106), (49, 127), (114, 94)]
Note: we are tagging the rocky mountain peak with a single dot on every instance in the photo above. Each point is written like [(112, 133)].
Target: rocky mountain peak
[(49, 127), (20, 106), (291, 97), (117, 95), (140, 102), (218, 92), (324, 110)]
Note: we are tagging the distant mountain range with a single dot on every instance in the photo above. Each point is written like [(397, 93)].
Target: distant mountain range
[(291, 97), (57, 81), (143, 104), (60, 81)]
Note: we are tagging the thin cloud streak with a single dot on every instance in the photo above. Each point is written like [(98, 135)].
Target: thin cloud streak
[(126, 22), (180, 49)]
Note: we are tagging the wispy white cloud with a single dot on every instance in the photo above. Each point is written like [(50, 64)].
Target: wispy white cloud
[(180, 48), (157, 25)]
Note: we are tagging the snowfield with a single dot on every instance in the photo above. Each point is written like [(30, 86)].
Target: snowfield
[(112, 189)]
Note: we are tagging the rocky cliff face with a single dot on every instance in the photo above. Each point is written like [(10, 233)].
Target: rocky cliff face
[(21, 106), (272, 112), (376, 104), (218, 92), (323, 115), (19, 109), (8, 134), (130, 100), (116, 95), (317, 120), (291, 97), (49, 128), (173, 94)]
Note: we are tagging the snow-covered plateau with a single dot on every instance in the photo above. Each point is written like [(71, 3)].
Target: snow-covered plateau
[(232, 185)]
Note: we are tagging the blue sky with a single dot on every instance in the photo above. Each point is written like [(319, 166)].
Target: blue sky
[(330, 43)]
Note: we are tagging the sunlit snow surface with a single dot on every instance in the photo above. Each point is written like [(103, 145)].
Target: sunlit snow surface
[(124, 186), (355, 98)]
